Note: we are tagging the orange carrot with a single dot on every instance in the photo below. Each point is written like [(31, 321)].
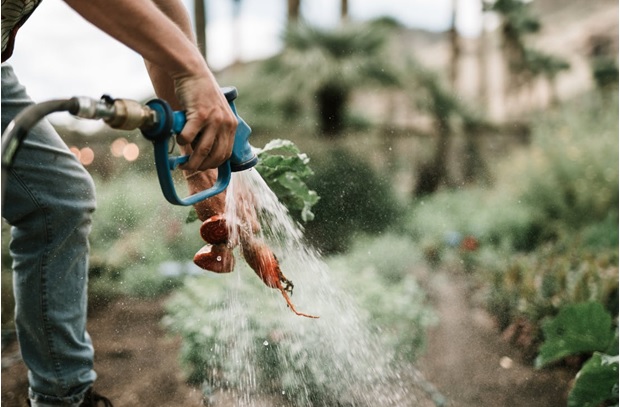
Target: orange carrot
[(214, 230), (217, 258), (266, 266)]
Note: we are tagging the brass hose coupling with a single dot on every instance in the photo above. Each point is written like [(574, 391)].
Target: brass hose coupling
[(123, 114)]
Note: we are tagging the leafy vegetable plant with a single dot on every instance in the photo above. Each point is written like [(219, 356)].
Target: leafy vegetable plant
[(285, 169), (585, 328)]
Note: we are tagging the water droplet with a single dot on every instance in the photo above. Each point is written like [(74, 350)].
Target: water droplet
[(266, 343), (219, 258)]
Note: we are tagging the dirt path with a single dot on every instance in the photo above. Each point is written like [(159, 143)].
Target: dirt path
[(470, 364), (136, 361)]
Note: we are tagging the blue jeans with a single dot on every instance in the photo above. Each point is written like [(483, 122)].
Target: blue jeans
[(49, 201)]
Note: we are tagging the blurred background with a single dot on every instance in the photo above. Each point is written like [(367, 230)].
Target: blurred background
[(473, 144)]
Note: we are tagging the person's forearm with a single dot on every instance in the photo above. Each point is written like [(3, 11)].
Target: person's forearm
[(145, 28), (160, 31), (162, 83)]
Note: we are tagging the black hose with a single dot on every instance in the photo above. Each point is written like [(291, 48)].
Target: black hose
[(16, 131)]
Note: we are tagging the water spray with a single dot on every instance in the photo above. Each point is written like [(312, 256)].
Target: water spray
[(158, 124)]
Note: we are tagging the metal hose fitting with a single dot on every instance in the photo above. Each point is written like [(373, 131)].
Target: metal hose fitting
[(122, 114)]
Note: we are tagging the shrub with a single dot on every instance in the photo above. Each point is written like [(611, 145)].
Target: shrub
[(354, 199), (547, 230), (495, 218), (572, 173)]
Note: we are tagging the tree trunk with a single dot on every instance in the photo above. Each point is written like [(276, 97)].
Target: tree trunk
[(200, 22), (433, 174), (455, 48), (344, 11), (483, 65), (331, 109), (237, 32), (293, 11)]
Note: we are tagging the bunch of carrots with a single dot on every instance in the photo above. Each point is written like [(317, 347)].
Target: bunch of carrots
[(217, 255)]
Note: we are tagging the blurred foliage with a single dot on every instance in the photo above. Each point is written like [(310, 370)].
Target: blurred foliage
[(537, 285), (576, 150), (320, 68), (548, 228), (605, 73), (524, 62), (354, 199), (134, 231)]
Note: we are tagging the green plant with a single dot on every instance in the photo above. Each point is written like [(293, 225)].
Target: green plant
[(605, 72), (354, 199), (578, 329), (576, 150), (524, 63), (238, 335), (134, 231), (536, 285), (285, 169), (378, 273)]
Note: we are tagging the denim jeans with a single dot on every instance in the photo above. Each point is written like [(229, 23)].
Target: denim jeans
[(49, 201)]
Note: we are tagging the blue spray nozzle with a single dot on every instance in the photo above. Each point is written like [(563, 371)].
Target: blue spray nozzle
[(168, 124)]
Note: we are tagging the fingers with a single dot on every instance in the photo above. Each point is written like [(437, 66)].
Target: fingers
[(211, 138)]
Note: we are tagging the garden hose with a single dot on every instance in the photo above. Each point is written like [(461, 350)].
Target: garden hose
[(157, 122), (16, 131), (119, 113)]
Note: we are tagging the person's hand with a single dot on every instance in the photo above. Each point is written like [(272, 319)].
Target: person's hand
[(209, 131), (161, 32)]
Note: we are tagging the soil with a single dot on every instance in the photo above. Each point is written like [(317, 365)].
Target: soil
[(471, 364), (467, 361), (135, 359)]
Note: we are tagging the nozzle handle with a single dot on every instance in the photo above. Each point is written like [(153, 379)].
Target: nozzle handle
[(169, 123)]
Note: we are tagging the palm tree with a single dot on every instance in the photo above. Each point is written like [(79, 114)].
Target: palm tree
[(325, 66), (428, 91), (440, 103), (524, 63)]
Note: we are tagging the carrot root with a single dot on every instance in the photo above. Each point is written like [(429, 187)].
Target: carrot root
[(216, 258), (292, 307)]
